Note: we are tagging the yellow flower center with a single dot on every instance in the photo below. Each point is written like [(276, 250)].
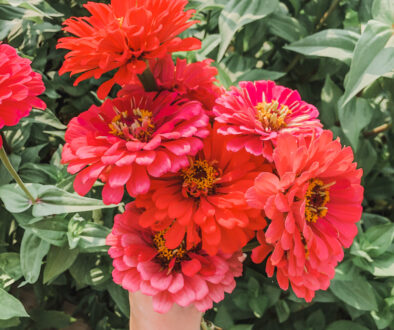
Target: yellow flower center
[(272, 115), (199, 179), (316, 198), (138, 126), (165, 255)]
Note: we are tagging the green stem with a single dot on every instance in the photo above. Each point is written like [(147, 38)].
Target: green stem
[(148, 80), (14, 174)]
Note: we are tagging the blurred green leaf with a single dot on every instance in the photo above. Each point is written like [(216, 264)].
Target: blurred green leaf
[(373, 57), (58, 260), (33, 250), (334, 43), (236, 14), (10, 306), (51, 319), (357, 293), (345, 325)]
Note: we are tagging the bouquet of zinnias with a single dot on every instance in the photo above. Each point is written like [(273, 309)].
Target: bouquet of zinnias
[(209, 170)]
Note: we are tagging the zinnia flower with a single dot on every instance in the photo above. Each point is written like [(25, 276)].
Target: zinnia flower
[(313, 203), (129, 139), (19, 87), (258, 112), (195, 81), (122, 36), (181, 275), (206, 199)]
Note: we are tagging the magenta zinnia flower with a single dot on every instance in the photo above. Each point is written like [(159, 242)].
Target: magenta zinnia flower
[(19, 87), (256, 113), (128, 139), (313, 203), (182, 275)]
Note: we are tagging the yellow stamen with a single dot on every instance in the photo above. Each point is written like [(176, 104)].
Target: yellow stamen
[(316, 198), (199, 179), (139, 125), (165, 255), (272, 115)]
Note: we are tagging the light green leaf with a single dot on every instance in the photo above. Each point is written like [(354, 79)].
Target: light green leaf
[(334, 43), (373, 57), (11, 265), (236, 14), (53, 200), (58, 261), (46, 117), (357, 293), (354, 117), (379, 239), (52, 230), (14, 199), (10, 306), (383, 10), (383, 266), (33, 250)]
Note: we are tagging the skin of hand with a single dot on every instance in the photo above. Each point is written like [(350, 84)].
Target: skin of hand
[(143, 317)]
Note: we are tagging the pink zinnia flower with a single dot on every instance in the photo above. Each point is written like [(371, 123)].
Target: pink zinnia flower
[(19, 87), (182, 275), (258, 112), (122, 36), (195, 81), (129, 139), (313, 203), (206, 199)]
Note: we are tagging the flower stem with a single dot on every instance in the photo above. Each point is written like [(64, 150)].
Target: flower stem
[(148, 80), (14, 174)]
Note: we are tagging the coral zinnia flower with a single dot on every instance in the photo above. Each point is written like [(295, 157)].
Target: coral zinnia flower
[(182, 275), (195, 81), (207, 199), (122, 36), (313, 203), (19, 87), (127, 139), (258, 112)]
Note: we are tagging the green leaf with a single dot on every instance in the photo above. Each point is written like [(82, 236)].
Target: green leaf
[(10, 306), (366, 156), (51, 319), (52, 230), (357, 293), (372, 58), (53, 200), (33, 250), (242, 327), (14, 199), (334, 43), (285, 27), (58, 261), (383, 266), (345, 325), (236, 14), (260, 74), (383, 10), (9, 13), (11, 265), (379, 238), (282, 310), (329, 102), (354, 117), (121, 298), (46, 117)]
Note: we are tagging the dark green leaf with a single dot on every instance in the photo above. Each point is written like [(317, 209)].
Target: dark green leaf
[(58, 261)]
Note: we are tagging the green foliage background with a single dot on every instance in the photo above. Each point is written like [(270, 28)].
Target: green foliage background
[(338, 54)]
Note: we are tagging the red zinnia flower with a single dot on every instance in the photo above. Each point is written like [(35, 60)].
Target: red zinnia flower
[(19, 87), (313, 203), (127, 139), (182, 275), (258, 112), (206, 199), (122, 36), (195, 81)]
